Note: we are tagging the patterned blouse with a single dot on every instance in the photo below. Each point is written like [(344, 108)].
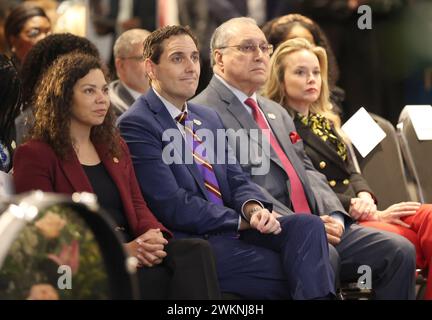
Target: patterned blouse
[(323, 128)]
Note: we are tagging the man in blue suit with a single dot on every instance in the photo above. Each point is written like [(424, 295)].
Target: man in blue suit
[(258, 255)]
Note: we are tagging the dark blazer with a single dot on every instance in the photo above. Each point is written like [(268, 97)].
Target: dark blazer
[(37, 167), (249, 263), (176, 192), (275, 183), (120, 97), (341, 175)]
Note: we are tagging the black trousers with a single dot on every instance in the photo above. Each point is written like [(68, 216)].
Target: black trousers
[(187, 272)]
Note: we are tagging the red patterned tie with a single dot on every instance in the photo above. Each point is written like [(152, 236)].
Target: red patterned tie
[(205, 168), (298, 196)]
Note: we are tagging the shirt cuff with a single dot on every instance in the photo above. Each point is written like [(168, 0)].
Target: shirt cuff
[(339, 217), (245, 203)]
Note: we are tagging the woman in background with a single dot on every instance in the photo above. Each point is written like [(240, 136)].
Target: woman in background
[(25, 25), (298, 81), (293, 26)]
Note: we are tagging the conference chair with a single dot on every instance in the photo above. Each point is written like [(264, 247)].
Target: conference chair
[(417, 154), (384, 169)]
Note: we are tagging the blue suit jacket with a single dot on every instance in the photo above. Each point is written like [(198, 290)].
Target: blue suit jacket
[(176, 192)]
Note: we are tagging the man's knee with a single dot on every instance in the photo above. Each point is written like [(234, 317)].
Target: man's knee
[(303, 226), (305, 221)]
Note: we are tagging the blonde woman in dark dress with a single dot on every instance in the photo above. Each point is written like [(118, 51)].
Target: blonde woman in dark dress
[(298, 81)]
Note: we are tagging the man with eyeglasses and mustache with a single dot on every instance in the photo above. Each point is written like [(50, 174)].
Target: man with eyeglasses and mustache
[(240, 60)]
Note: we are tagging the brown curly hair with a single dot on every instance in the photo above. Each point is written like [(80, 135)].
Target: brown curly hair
[(54, 104)]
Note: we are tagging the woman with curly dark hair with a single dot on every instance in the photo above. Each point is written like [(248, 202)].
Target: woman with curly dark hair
[(75, 147), (74, 137), (38, 60), (10, 92)]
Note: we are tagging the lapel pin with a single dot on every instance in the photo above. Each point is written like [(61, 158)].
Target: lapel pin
[(271, 115), (197, 122), (115, 160)]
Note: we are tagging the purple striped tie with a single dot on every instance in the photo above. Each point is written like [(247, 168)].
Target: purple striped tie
[(204, 166)]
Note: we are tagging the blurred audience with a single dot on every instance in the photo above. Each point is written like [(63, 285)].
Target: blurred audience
[(25, 25), (373, 62)]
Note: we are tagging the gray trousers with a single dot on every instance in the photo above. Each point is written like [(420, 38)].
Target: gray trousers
[(391, 258)]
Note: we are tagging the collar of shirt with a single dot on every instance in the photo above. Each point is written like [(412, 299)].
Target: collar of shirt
[(133, 93), (239, 94), (242, 97), (173, 111)]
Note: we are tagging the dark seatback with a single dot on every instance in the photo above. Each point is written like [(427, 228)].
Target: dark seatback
[(417, 155), (383, 168)]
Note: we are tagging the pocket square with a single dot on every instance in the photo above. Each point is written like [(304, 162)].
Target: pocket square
[(294, 136)]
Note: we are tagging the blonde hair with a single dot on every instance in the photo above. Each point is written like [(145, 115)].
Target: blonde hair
[(274, 88)]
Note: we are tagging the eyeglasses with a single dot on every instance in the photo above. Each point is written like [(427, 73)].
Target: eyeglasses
[(136, 58), (252, 48)]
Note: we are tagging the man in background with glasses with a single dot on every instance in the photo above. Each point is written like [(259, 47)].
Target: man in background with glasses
[(129, 64), (240, 60)]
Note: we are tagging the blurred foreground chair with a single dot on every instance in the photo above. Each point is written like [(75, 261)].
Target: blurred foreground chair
[(417, 153), (58, 247), (384, 170)]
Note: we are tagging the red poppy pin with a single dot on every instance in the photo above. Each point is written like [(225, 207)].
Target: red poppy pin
[(294, 136)]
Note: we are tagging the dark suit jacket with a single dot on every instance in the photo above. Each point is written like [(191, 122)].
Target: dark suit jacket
[(120, 97), (275, 183), (176, 192), (347, 182), (37, 167)]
